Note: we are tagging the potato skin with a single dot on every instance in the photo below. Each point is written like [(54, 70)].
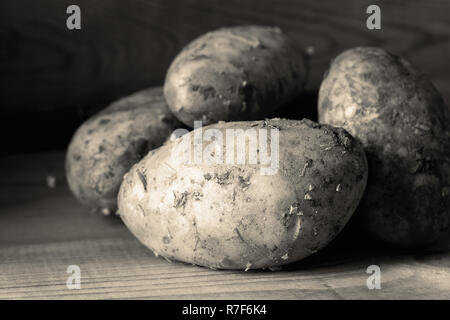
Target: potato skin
[(403, 124), (105, 147), (233, 74), (230, 216)]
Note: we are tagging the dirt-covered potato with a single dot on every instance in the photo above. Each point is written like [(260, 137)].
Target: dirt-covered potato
[(403, 124), (254, 207), (105, 147), (237, 73)]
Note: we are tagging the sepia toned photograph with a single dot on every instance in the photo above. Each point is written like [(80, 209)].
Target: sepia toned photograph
[(206, 151)]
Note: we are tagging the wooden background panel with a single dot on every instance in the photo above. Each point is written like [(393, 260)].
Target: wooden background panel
[(51, 78)]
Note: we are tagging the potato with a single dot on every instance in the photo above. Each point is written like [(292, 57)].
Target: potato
[(105, 147), (403, 124), (238, 73), (225, 211)]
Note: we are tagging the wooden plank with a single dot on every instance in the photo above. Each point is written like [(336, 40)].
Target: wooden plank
[(44, 230), (112, 268)]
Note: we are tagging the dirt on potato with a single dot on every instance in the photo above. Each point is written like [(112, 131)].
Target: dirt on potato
[(238, 73), (404, 126), (105, 147), (226, 214)]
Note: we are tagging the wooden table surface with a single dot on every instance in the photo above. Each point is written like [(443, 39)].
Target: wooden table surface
[(43, 230)]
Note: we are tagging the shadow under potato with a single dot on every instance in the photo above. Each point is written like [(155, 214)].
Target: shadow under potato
[(304, 106), (355, 244)]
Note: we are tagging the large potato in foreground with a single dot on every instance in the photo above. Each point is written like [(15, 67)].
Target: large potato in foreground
[(106, 146), (238, 73), (404, 126), (239, 215)]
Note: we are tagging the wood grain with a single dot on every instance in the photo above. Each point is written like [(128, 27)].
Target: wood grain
[(52, 78), (44, 230)]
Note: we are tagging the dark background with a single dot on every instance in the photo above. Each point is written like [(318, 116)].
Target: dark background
[(52, 78)]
